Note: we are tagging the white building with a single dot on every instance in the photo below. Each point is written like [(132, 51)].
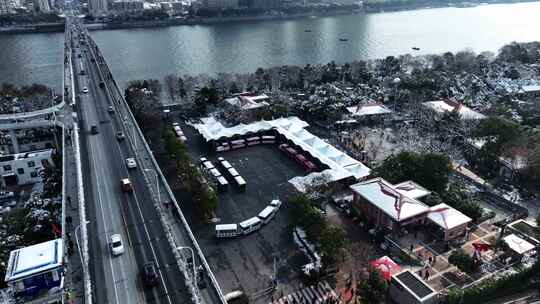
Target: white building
[(220, 4), (42, 6), (35, 268), (442, 106), (368, 110), (6, 7), (23, 168), (97, 7)]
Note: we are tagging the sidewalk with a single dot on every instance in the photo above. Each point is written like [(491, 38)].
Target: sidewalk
[(73, 271)]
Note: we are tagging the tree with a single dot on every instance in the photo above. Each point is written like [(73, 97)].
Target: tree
[(430, 170), (306, 216), (498, 132), (456, 198), (462, 261), (372, 290), (205, 97), (332, 240), (52, 177)]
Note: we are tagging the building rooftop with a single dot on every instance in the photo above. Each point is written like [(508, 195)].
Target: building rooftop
[(41, 154), (465, 112), (340, 164), (248, 102), (414, 284), (367, 110), (449, 218), (517, 244), (384, 196), (411, 189), (530, 88), (34, 259)]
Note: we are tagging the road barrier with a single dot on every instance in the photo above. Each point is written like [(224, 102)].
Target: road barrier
[(82, 215)]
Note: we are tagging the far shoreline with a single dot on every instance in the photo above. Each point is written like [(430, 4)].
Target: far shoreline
[(59, 27)]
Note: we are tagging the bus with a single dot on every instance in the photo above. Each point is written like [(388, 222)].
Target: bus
[(267, 139), (275, 203), (226, 230), (250, 225), (240, 182), (233, 172), (267, 214), (222, 183)]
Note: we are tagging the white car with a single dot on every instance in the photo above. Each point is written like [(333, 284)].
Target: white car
[(131, 163), (117, 246), (85, 90)]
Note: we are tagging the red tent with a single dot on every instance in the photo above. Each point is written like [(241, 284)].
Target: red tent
[(386, 266)]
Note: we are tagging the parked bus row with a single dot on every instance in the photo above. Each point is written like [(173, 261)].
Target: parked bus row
[(245, 142), (251, 224), (178, 132), (298, 157), (220, 179)]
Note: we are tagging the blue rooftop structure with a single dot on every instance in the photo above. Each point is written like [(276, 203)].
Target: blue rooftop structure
[(37, 267)]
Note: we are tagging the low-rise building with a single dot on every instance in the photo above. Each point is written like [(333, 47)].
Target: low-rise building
[(24, 168), (36, 270), (247, 106), (447, 105), (450, 224), (127, 6), (387, 207), (369, 112), (408, 288)]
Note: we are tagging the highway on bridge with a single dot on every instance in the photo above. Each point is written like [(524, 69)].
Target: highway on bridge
[(117, 279)]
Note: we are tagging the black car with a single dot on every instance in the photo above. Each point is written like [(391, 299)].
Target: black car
[(149, 274)]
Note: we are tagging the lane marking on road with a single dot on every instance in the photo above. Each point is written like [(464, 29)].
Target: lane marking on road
[(130, 253), (103, 217)]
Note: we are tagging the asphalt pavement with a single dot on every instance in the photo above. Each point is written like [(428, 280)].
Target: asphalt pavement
[(110, 210)]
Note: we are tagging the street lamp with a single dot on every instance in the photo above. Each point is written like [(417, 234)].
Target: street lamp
[(79, 246), (396, 82), (192, 259), (157, 183)]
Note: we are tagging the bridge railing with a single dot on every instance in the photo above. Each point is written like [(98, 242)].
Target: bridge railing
[(163, 183)]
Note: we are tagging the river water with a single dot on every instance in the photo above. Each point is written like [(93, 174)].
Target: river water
[(244, 46)]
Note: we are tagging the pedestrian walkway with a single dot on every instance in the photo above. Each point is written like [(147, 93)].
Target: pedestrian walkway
[(321, 293), (74, 281)]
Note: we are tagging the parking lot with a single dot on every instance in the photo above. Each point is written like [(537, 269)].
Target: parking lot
[(247, 262)]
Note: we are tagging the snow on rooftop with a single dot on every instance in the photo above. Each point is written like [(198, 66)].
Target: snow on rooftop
[(366, 110), (34, 259), (465, 112), (411, 189), (293, 128), (449, 218), (531, 88), (517, 244), (382, 195)]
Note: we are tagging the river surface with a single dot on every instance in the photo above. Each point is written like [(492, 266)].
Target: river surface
[(242, 47)]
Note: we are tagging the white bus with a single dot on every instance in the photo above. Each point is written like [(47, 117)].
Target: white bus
[(275, 203), (240, 182), (226, 230), (222, 183), (233, 172), (226, 165), (250, 225), (208, 165), (267, 214)]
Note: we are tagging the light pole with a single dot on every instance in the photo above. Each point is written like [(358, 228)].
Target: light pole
[(396, 82), (192, 259), (79, 246), (157, 184)]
